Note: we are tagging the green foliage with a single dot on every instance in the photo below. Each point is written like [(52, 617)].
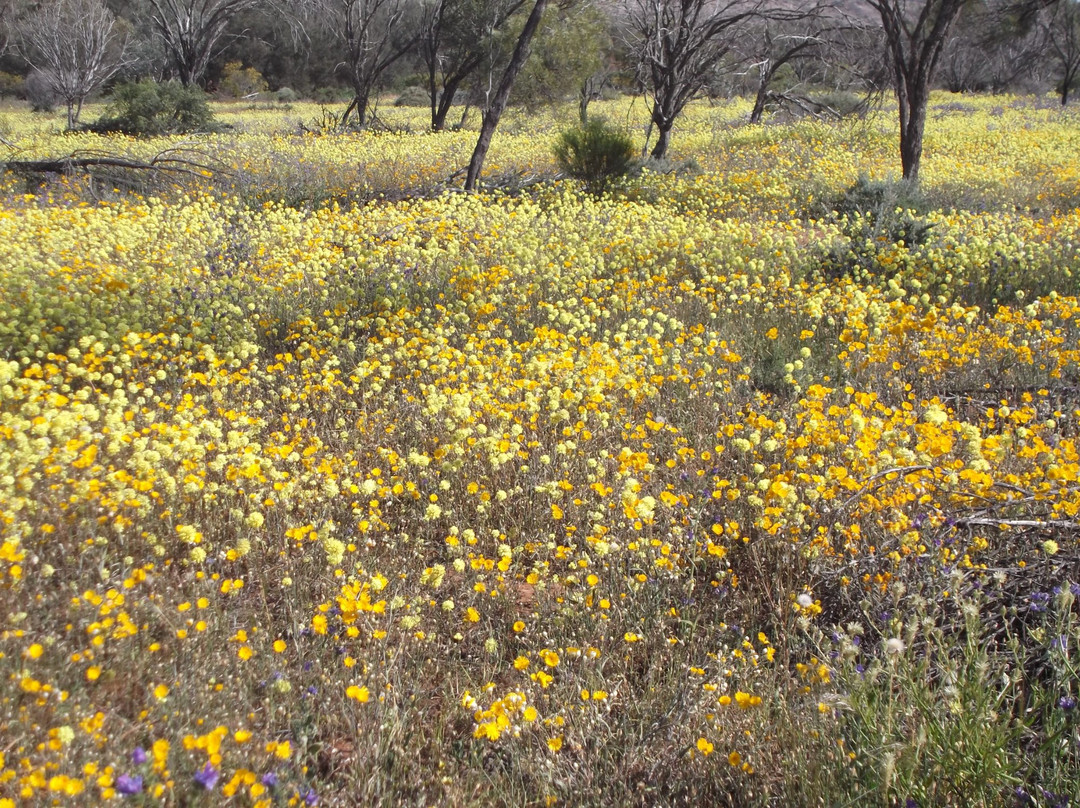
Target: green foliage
[(10, 84), (39, 92), (1050, 632), (964, 701), (874, 215), (879, 198), (286, 95), (331, 95), (840, 103), (929, 718), (567, 50), (148, 108), (596, 154), (238, 81), (413, 97)]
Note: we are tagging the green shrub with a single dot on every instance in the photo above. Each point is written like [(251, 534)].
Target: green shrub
[(331, 95), (596, 154), (879, 198), (39, 92), (875, 214), (413, 97), (147, 108), (10, 84), (840, 103), (933, 710), (238, 81)]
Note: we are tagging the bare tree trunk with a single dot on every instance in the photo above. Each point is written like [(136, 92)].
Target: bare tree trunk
[(433, 96), (446, 101), (912, 125), (191, 29), (357, 108), (439, 113), (190, 69), (591, 90), (663, 117), (1061, 34), (662, 142), (1067, 81), (75, 46), (916, 35), (677, 45), (502, 94), (759, 100)]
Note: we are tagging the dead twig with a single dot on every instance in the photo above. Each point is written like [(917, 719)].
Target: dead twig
[(868, 486), (1038, 524)]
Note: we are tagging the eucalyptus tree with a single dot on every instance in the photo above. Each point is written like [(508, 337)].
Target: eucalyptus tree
[(1061, 33), (915, 33), (75, 46), (370, 36), (457, 38), (191, 31), (676, 46), (497, 104), (572, 55)]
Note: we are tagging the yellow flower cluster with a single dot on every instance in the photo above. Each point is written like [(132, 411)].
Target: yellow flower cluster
[(500, 716)]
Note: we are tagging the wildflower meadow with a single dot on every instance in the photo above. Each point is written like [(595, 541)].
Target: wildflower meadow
[(751, 481)]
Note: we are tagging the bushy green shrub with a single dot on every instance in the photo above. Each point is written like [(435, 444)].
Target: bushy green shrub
[(331, 95), (880, 198), (874, 214), (10, 84), (39, 92), (148, 108), (840, 103), (413, 97), (238, 81), (596, 153)]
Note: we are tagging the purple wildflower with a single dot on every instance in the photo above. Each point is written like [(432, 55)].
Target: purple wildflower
[(128, 785), (207, 778), (138, 757), (1038, 601), (1055, 800)]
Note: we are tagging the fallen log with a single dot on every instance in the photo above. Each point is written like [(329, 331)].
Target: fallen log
[(171, 163)]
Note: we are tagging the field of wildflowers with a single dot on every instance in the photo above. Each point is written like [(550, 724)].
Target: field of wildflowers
[(319, 485)]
